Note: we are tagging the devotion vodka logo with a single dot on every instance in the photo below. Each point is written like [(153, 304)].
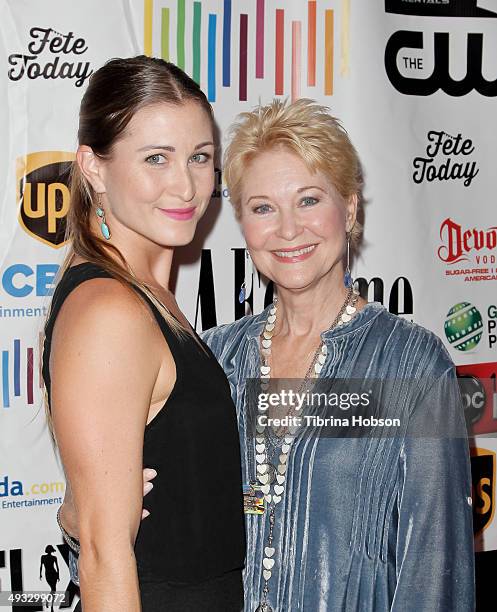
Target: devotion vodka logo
[(468, 252)]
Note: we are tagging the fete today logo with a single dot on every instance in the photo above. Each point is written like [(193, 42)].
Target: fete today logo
[(47, 57), (438, 164)]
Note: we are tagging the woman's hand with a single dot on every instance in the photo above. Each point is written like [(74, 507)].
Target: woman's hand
[(68, 511), (148, 475)]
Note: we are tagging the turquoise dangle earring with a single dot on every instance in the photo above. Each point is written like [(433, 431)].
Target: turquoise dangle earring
[(104, 228), (347, 279)]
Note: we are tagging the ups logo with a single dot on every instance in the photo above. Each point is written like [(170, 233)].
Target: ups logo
[(483, 479), (43, 195)]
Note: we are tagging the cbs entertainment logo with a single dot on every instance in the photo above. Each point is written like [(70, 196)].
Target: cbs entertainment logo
[(43, 197)]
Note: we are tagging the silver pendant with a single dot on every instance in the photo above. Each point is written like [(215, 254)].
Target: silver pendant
[(264, 607), (271, 472)]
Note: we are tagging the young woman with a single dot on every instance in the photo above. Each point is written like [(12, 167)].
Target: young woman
[(128, 381)]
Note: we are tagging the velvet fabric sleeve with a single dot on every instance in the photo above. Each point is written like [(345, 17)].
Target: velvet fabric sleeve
[(434, 545)]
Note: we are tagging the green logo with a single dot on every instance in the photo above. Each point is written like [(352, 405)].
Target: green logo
[(463, 326)]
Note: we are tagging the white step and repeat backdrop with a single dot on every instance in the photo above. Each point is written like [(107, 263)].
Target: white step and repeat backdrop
[(415, 84)]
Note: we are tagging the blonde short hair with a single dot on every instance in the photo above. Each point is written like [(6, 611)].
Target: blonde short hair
[(307, 129)]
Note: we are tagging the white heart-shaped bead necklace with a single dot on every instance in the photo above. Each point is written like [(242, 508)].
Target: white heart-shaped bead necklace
[(274, 477)]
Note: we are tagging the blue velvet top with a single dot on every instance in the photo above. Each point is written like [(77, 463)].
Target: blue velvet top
[(371, 524)]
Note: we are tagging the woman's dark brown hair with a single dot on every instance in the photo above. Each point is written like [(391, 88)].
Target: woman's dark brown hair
[(115, 93)]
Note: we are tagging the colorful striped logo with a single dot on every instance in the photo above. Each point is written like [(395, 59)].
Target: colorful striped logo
[(267, 34), (14, 361)]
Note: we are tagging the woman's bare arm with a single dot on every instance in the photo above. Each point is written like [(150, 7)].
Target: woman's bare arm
[(105, 361), (68, 511)]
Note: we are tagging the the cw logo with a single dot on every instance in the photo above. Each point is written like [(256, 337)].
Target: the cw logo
[(43, 195), (440, 77)]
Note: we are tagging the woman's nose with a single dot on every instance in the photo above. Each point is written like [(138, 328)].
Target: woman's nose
[(289, 226), (182, 184)]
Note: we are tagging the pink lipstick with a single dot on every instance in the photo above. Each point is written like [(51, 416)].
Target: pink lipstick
[(295, 255), (180, 214)]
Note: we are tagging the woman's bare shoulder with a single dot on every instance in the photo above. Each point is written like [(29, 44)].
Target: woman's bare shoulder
[(104, 303)]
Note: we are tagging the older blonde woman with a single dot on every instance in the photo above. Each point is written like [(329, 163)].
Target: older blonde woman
[(371, 522)]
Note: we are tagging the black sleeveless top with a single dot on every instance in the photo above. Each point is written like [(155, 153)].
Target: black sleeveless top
[(196, 529)]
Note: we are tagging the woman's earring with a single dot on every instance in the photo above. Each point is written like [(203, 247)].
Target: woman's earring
[(241, 295), (104, 228), (347, 279), (243, 289)]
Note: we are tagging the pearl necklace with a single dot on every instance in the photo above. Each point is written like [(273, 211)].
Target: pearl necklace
[(267, 474)]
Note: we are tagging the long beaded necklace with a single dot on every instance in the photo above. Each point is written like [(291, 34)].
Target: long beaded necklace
[(267, 473)]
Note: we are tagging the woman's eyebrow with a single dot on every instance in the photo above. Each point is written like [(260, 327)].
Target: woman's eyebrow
[(299, 190), (152, 146), (311, 187), (204, 144), (255, 197), (172, 149)]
